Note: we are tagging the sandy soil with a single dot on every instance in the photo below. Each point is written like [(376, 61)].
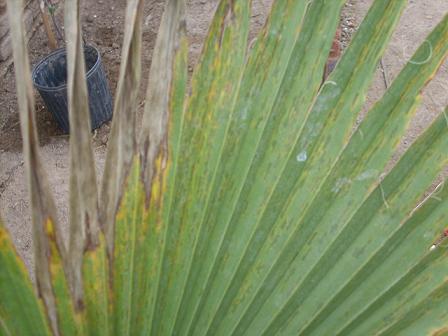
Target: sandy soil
[(417, 21), (103, 24)]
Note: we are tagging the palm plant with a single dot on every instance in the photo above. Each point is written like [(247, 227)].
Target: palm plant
[(250, 203)]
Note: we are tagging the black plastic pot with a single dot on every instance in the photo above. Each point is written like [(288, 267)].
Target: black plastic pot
[(50, 79)]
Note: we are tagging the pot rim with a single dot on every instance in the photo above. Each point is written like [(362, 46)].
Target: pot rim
[(57, 52)]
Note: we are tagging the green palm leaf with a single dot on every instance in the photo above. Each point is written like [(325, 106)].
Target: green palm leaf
[(18, 295), (251, 203)]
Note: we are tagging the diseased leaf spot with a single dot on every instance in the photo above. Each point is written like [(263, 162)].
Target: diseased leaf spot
[(443, 237), (244, 113), (368, 174), (340, 183), (302, 156)]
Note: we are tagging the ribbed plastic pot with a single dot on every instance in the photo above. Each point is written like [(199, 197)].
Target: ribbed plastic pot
[(50, 79)]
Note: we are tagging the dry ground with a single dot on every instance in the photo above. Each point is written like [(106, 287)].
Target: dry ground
[(103, 24)]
